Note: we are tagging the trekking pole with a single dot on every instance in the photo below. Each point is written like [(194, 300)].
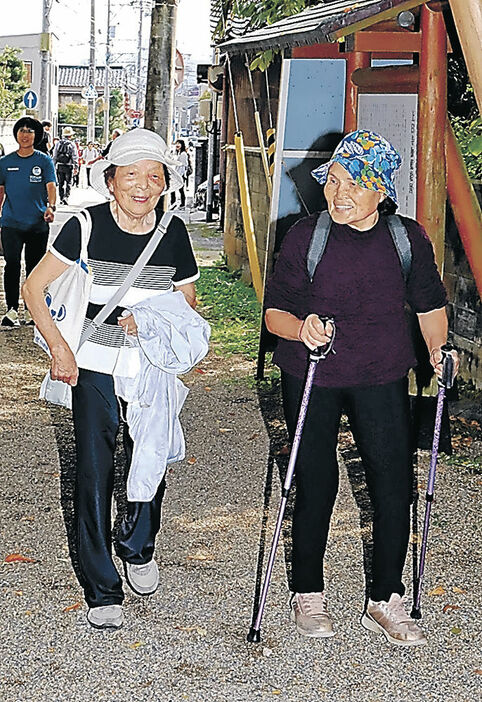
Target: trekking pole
[(445, 383), (254, 635)]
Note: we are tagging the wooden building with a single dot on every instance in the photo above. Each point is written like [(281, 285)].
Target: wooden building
[(378, 64)]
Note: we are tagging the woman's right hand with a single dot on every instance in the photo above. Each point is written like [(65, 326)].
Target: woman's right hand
[(314, 333), (63, 365)]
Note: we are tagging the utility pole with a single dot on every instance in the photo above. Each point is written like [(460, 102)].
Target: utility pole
[(107, 78), (45, 48), (139, 58), (91, 101), (161, 68)]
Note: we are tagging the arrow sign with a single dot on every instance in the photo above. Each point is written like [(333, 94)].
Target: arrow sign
[(89, 92), (30, 99)]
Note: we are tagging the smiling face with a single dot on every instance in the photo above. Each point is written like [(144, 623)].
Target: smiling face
[(26, 138), (348, 202), (137, 188)]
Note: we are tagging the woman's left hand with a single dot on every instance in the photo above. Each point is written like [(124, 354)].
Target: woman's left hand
[(436, 359), (128, 324)]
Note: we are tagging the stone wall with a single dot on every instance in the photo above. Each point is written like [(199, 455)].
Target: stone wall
[(465, 307)]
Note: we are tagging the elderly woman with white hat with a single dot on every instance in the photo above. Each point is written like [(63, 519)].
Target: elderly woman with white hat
[(361, 284), (137, 172)]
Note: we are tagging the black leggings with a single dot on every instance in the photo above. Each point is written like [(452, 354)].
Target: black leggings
[(96, 422), (380, 421), (13, 242)]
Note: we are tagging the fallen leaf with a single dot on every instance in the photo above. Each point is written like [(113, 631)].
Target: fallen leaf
[(455, 630), (478, 671), (448, 607), (284, 451), (224, 431), (459, 590), (202, 554), (72, 608), (192, 460), (200, 371), (136, 645), (207, 389), (276, 692), (253, 436), (28, 518), (19, 593), (190, 629), (439, 590), (18, 558)]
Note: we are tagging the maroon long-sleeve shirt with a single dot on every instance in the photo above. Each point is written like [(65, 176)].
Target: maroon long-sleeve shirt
[(359, 282)]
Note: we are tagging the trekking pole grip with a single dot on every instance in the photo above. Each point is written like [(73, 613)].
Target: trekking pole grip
[(322, 351), (447, 366)]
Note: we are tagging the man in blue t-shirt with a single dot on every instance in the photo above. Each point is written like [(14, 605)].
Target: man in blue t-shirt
[(27, 205)]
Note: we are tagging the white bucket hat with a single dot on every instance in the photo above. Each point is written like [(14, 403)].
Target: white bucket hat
[(136, 145)]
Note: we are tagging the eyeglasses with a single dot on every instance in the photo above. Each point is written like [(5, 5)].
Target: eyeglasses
[(26, 130)]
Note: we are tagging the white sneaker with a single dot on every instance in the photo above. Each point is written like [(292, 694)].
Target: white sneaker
[(28, 318), (106, 617), (391, 620), (11, 319), (142, 579), (308, 611)]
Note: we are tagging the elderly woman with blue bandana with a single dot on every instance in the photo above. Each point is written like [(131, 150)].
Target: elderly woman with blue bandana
[(359, 283)]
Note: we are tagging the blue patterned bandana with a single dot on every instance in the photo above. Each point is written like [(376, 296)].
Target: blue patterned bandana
[(370, 160)]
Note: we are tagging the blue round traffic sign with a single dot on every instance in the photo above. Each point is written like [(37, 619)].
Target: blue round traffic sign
[(30, 99)]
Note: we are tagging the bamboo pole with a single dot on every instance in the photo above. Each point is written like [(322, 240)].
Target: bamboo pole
[(432, 117), (248, 215), (467, 16), (354, 61), (465, 206)]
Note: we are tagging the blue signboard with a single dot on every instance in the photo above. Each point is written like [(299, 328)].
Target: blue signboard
[(30, 99)]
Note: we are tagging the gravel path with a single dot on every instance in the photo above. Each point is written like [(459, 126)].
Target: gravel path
[(188, 641)]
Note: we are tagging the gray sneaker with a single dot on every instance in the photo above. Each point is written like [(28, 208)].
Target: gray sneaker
[(391, 620), (11, 319), (142, 579), (107, 617), (308, 611)]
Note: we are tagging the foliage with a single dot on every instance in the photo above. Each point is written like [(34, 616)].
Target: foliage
[(469, 137), (232, 310), (116, 110), (75, 113), (13, 83), (258, 13)]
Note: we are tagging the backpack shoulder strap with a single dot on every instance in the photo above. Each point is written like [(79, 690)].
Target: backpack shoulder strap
[(401, 242), (318, 242)]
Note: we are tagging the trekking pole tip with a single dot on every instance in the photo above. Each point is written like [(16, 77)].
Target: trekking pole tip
[(416, 613), (254, 635)]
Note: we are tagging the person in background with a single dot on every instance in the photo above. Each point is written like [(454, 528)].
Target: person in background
[(359, 283), (27, 205), (89, 156), (44, 144), (182, 157), (76, 173), (115, 134), (66, 161)]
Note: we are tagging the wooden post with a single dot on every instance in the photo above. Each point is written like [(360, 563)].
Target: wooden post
[(467, 16), (355, 59), (432, 116)]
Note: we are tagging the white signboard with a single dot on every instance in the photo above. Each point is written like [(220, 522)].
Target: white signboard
[(395, 118)]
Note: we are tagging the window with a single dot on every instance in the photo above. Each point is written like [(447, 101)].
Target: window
[(28, 68)]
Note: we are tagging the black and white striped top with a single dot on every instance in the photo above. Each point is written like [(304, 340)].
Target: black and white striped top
[(111, 254)]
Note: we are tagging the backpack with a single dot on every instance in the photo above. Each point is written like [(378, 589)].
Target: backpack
[(64, 153), (322, 230)]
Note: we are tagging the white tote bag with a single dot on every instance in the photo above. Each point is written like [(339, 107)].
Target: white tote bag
[(67, 298)]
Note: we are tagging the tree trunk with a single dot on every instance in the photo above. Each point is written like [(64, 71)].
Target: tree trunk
[(161, 67)]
